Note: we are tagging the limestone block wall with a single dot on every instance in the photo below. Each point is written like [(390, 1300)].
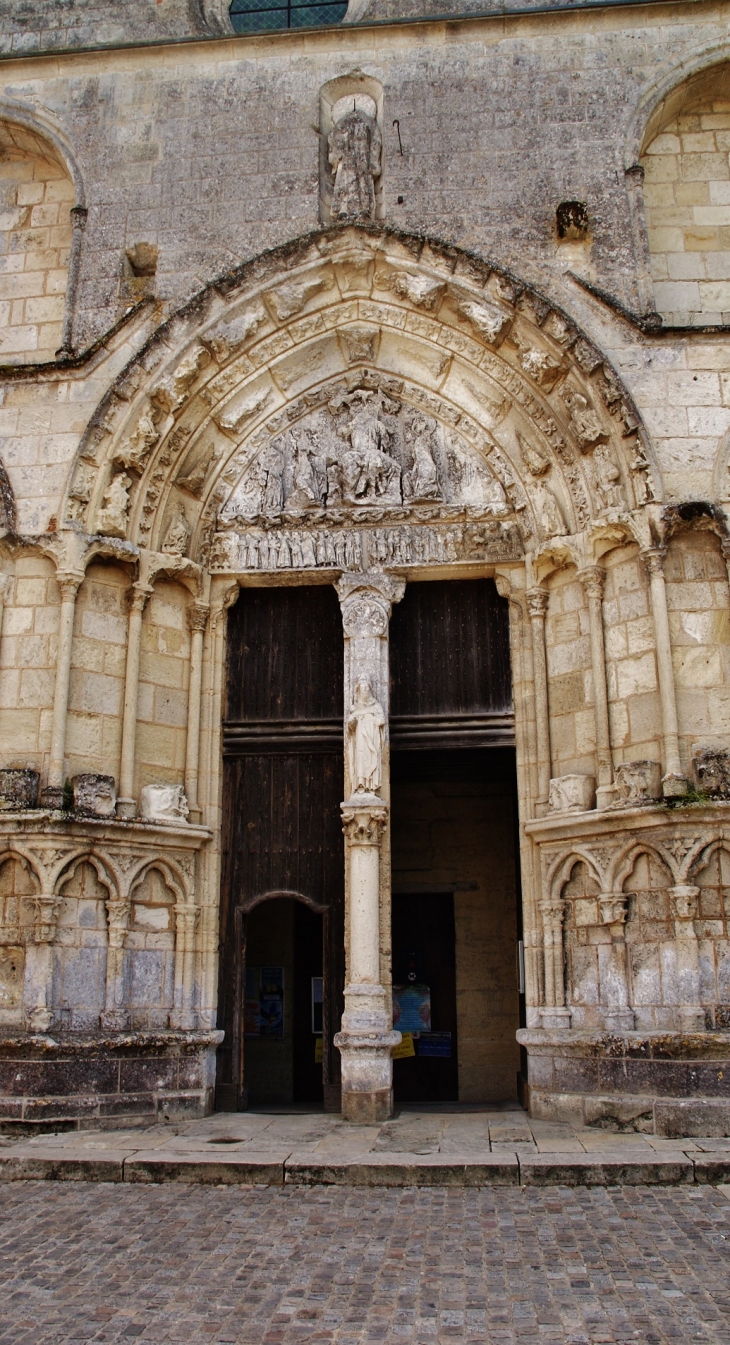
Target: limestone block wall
[(80, 952), (93, 734), (631, 672), (699, 615), (570, 693), (163, 687), (27, 659)]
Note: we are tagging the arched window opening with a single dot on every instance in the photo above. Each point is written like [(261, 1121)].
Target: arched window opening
[(257, 16), (686, 161), (36, 196)]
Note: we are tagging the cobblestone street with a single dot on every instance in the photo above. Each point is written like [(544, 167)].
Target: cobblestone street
[(273, 1266)]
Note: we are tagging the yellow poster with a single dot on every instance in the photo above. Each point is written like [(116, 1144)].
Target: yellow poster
[(406, 1047), (318, 1055)]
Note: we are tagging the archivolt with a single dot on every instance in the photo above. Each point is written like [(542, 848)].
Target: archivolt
[(454, 337)]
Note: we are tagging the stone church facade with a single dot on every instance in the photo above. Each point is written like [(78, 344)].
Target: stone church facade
[(411, 314)]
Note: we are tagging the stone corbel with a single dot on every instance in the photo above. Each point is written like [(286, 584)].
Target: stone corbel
[(683, 901), (115, 1017), (612, 963), (38, 962), (554, 1013)]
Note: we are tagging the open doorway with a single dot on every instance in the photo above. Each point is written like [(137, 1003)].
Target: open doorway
[(456, 917), (283, 1003)]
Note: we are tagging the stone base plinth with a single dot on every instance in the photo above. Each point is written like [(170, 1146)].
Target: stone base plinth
[(367, 1075), (669, 1083), (90, 1081)]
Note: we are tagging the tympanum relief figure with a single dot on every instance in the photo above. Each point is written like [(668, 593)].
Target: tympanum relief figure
[(177, 535), (365, 725), (354, 150)]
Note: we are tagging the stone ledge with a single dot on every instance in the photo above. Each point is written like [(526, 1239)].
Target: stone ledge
[(632, 1045)]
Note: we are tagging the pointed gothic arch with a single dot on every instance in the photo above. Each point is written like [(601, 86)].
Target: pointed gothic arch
[(524, 430)]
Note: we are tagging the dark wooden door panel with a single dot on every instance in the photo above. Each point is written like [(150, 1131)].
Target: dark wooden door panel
[(449, 651), (284, 656)]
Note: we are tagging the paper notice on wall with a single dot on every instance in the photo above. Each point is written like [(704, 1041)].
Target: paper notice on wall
[(405, 1049), (435, 1044), (318, 1051), (412, 1008)]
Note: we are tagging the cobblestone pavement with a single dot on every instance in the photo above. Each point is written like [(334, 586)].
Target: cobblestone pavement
[(275, 1266)]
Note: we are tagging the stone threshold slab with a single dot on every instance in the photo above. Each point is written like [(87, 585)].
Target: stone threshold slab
[(374, 1170)]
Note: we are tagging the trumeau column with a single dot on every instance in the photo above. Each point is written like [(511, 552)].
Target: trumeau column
[(537, 604), (197, 620), (126, 803), (367, 1037), (674, 783), (592, 580), (69, 582)]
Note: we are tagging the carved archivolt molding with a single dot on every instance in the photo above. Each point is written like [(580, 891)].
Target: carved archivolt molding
[(360, 398)]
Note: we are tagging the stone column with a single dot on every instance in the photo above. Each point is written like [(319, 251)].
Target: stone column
[(69, 583), (79, 215), (612, 963), (537, 603), (5, 582), (197, 620), (683, 905), (674, 784), (39, 963), (592, 580), (126, 803), (115, 1017), (367, 1037), (183, 1014), (554, 1014)]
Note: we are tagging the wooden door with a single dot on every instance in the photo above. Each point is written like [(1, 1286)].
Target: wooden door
[(282, 788)]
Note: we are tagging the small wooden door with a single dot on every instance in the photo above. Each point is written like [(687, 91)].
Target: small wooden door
[(282, 788)]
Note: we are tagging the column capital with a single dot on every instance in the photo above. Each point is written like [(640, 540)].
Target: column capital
[(654, 558), (553, 913), (593, 577), (138, 596), (613, 908), (222, 600), (367, 600), (537, 603), (47, 905), (186, 916), (683, 901), (197, 617), (118, 913), (364, 820), (69, 583)]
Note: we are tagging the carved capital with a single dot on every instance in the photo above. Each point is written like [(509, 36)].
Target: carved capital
[(593, 578), (118, 912), (553, 914), (653, 558), (537, 603), (186, 917), (364, 823), (138, 596), (222, 602), (69, 583), (683, 901), (197, 617), (47, 905), (613, 908), (367, 601)]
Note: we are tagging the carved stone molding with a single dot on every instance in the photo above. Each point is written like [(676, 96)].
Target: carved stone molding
[(363, 822)]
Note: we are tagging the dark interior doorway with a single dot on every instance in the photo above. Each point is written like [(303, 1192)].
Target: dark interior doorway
[(283, 1021), (455, 869), (282, 835)]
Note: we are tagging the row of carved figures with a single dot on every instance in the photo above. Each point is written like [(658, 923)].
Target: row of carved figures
[(345, 550)]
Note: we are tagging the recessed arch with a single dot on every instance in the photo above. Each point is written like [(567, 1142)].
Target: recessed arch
[(284, 894), (529, 401)]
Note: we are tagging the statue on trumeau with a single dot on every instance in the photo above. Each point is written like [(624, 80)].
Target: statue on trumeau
[(354, 148), (365, 725)]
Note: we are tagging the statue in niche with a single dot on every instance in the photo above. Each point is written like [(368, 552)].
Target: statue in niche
[(365, 725), (548, 512), (178, 532), (354, 149), (421, 481), (115, 507), (607, 479)]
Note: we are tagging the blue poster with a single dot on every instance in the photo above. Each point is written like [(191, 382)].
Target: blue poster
[(412, 1008)]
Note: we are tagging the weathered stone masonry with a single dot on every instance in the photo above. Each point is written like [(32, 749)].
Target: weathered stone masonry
[(198, 363)]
